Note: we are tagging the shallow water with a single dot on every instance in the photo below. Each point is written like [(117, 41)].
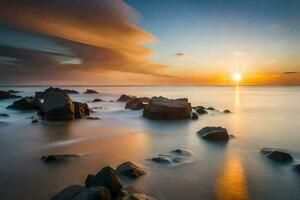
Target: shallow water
[(262, 117)]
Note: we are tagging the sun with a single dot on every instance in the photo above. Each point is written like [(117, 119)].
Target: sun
[(237, 77)]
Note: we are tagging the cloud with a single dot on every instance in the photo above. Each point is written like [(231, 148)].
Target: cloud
[(290, 72), (239, 53), (180, 54), (63, 38)]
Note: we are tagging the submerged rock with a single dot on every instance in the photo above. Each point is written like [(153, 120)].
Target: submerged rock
[(161, 159), (226, 111), (130, 170), (169, 109), (4, 115), (26, 103), (210, 108), (93, 118), (201, 111), (277, 155), (214, 133), (97, 100), (182, 152), (58, 157), (194, 116), (135, 104), (7, 95), (106, 177), (90, 91)]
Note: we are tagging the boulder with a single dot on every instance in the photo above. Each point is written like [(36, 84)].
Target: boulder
[(226, 111), (97, 100), (135, 104), (7, 95), (210, 108), (26, 103), (125, 98), (81, 110), (201, 111), (277, 155), (106, 177), (90, 91), (39, 95), (58, 157), (130, 170), (214, 133), (194, 116), (169, 109), (4, 115), (77, 192)]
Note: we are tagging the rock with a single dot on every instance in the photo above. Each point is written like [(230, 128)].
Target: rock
[(90, 91), (135, 104), (226, 111), (106, 177), (7, 95), (77, 192), (182, 152), (296, 167), (139, 196), (39, 95), (277, 155), (201, 111), (125, 98), (169, 109), (97, 100), (214, 133), (161, 159), (69, 91), (130, 170), (13, 91), (4, 115), (26, 103), (144, 99), (210, 108), (58, 157), (81, 110), (93, 118), (35, 121), (194, 116)]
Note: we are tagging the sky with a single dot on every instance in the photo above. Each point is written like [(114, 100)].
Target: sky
[(142, 42)]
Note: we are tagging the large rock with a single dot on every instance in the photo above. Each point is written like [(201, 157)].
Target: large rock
[(90, 91), (77, 192), (135, 104), (40, 94), (7, 95), (125, 98), (106, 177), (59, 106), (164, 108), (277, 155), (26, 103), (214, 133), (130, 170)]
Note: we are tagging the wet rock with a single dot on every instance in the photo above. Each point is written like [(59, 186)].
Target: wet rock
[(13, 91), (135, 104), (106, 177), (77, 192), (182, 152), (69, 91), (93, 118), (277, 155), (97, 100), (210, 108), (7, 95), (296, 167), (39, 95), (26, 103), (90, 91), (125, 98), (81, 110), (214, 133), (35, 121), (168, 109), (144, 99), (4, 115), (194, 116), (226, 111), (58, 158), (130, 170), (161, 159), (201, 111)]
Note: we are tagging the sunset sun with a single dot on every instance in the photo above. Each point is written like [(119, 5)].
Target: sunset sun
[(237, 77)]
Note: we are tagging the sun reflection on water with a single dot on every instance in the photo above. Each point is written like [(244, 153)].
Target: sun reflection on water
[(232, 184), (237, 96)]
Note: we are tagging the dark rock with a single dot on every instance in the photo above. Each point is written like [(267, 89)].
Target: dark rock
[(161, 159), (90, 91), (39, 95), (210, 108), (194, 116), (226, 111), (26, 103), (130, 170), (97, 100), (108, 178), (81, 110), (144, 99), (296, 167), (93, 118), (214, 133), (169, 109), (58, 157), (4, 115), (135, 104), (139, 196), (277, 155), (35, 121), (13, 91), (77, 192), (182, 152), (125, 98), (201, 111), (7, 95), (69, 91)]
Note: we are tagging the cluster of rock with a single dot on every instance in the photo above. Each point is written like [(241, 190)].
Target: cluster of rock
[(8, 94), (105, 185), (201, 110), (176, 156)]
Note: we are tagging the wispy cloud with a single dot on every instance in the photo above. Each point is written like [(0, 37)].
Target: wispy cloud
[(290, 72), (180, 54)]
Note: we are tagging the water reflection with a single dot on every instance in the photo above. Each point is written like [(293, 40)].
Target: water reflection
[(232, 184), (237, 96)]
